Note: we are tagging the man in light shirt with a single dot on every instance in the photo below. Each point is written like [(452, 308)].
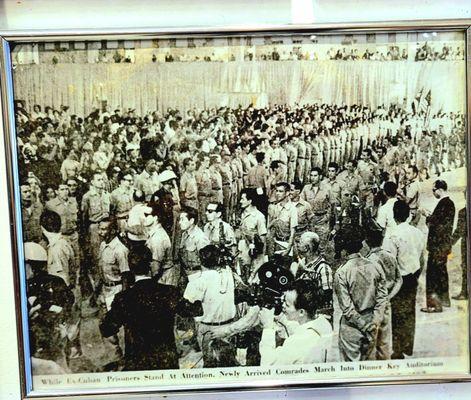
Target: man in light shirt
[(310, 340), (214, 287), (407, 244), (385, 217)]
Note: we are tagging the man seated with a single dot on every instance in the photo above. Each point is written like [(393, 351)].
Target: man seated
[(310, 340)]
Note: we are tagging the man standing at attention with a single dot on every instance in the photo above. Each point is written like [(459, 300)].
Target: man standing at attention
[(440, 229)]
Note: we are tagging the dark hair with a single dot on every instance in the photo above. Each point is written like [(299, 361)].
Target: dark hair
[(250, 194), (191, 213), (390, 189), (140, 261), (284, 185), (333, 165), (139, 196), (440, 184), (219, 207), (50, 221), (414, 169), (307, 297), (209, 256), (319, 170), (275, 164), (298, 185), (401, 211), (374, 237), (260, 157)]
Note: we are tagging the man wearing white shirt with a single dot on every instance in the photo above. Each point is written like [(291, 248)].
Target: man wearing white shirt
[(407, 244), (385, 217), (309, 342), (214, 287)]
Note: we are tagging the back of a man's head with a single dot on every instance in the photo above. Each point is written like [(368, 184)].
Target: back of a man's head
[(401, 211), (209, 256)]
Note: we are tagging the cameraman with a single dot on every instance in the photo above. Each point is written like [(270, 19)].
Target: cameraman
[(214, 287), (310, 340)]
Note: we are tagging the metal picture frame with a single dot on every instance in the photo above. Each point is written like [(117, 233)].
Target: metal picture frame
[(10, 38)]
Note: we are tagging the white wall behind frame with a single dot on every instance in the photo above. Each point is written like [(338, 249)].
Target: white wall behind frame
[(65, 14)]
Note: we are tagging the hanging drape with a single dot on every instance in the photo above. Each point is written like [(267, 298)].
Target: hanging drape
[(157, 86)]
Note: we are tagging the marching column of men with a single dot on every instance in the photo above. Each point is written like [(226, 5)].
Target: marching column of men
[(146, 244)]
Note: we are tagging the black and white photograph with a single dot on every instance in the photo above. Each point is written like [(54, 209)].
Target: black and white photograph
[(283, 206)]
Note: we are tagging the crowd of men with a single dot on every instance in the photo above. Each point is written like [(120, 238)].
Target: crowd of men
[(163, 223)]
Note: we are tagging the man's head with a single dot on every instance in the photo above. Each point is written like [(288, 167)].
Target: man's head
[(401, 211), (260, 157), (282, 191), (50, 221), (308, 243), (248, 197), (296, 189), (125, 179), (374, 235), (35, 258), (210, 256), (390, 189), (412, 172), (188, 218), (140, 261), (189, 164), (63, 192), (72, 185), (332, 170), (151, 166), (107, 230), (316, 175), (98, 182), (351, 166), (440, 188), (300, 303), (214, 211), (26, 196)]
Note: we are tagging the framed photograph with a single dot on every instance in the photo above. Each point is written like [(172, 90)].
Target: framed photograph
[(217, 209)]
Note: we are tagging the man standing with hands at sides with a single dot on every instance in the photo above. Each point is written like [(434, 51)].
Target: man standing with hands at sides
[(461, 232), (439, 241), (388, 264), (360, 286), (251, 235), (407, 244), (282, 222)]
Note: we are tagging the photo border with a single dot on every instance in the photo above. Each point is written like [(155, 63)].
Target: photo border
[(10, 38)]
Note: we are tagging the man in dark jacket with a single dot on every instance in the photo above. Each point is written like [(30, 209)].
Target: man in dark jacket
[(147, 311), (440, 229), (461, 232)]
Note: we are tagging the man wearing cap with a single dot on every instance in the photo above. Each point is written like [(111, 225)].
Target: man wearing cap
[(148, 180), (282, 222), (122, 199), (192, 241), (361, 291), (67, 209), (50, 303)]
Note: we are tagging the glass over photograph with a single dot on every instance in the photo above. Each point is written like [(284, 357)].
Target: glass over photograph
[(238, 209)]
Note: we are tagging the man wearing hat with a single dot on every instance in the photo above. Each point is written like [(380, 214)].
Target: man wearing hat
[(50, 304)]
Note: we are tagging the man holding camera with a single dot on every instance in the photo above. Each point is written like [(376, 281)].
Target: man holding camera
[(310, 340), (214, 288)]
